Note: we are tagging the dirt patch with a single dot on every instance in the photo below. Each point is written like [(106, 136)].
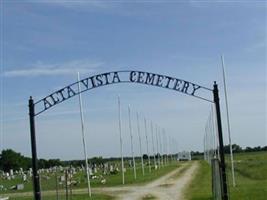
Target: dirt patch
[(166, 185), (148, 197), (181, 171)]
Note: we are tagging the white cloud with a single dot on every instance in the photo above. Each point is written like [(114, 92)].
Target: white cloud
[(68, 68)]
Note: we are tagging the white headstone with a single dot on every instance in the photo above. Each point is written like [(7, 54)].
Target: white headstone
[(95, 170), (20, 186), (62, 178), (24, 177)]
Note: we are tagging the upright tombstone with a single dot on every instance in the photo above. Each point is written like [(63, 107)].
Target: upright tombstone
[(21, 171), (62, 178), (8, 177), (30, 172), (19, 186), (111, 169), (24, 177)]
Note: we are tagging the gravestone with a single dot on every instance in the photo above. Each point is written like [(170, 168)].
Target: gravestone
[(24, 177), (62, 178), (19, 186)]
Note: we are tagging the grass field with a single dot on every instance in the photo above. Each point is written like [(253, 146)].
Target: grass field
[(111, 180), (200, 187), (251, 178), (74, 197)]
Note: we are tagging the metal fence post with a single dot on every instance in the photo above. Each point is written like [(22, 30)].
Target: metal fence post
[(219, 124), (36, 180)]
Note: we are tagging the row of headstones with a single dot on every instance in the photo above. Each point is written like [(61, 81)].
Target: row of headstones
[(17, 173), (104, 169)]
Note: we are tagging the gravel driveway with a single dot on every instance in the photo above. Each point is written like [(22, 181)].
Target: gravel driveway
[(168, 187)]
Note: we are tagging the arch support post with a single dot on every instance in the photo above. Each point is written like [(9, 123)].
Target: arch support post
[(36, 180), (221, 148)]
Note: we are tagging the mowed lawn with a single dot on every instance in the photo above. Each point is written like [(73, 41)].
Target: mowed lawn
[(111, 180), (48, 181), (73, 197), (251, 178)]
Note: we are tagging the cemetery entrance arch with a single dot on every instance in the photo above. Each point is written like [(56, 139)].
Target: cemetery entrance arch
[(127, 76)]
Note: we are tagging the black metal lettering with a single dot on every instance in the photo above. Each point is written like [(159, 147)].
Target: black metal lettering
[(98, 78), (85, 83), (92, 81), (140, 77), (150, 78), (168, 81), (47, 104), (116, 78), (195, 87), (54, 99), (61, 94), (177, 84), (71, 92), (132, 75), (106, 77), (159, 81), (185, 87)]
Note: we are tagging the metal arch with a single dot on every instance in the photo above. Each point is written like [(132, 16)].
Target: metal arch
[(178, 85), (124, 76)]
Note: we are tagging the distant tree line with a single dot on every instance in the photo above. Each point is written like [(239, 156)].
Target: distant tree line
[(9, 159), (237, 149)]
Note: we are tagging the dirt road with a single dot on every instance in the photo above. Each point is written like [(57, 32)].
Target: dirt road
[(168, 187)]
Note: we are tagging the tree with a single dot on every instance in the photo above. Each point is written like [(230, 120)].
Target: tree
[(145, 156), (10, 159), (236, 148), (97, 160)]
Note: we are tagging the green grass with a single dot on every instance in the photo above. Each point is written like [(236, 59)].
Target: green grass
[(200, 187), (111, 180), (246, 163), (251, 176), (250, 173), (74, 197)]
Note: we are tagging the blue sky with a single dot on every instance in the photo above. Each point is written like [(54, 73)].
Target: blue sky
[(44, 43)]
